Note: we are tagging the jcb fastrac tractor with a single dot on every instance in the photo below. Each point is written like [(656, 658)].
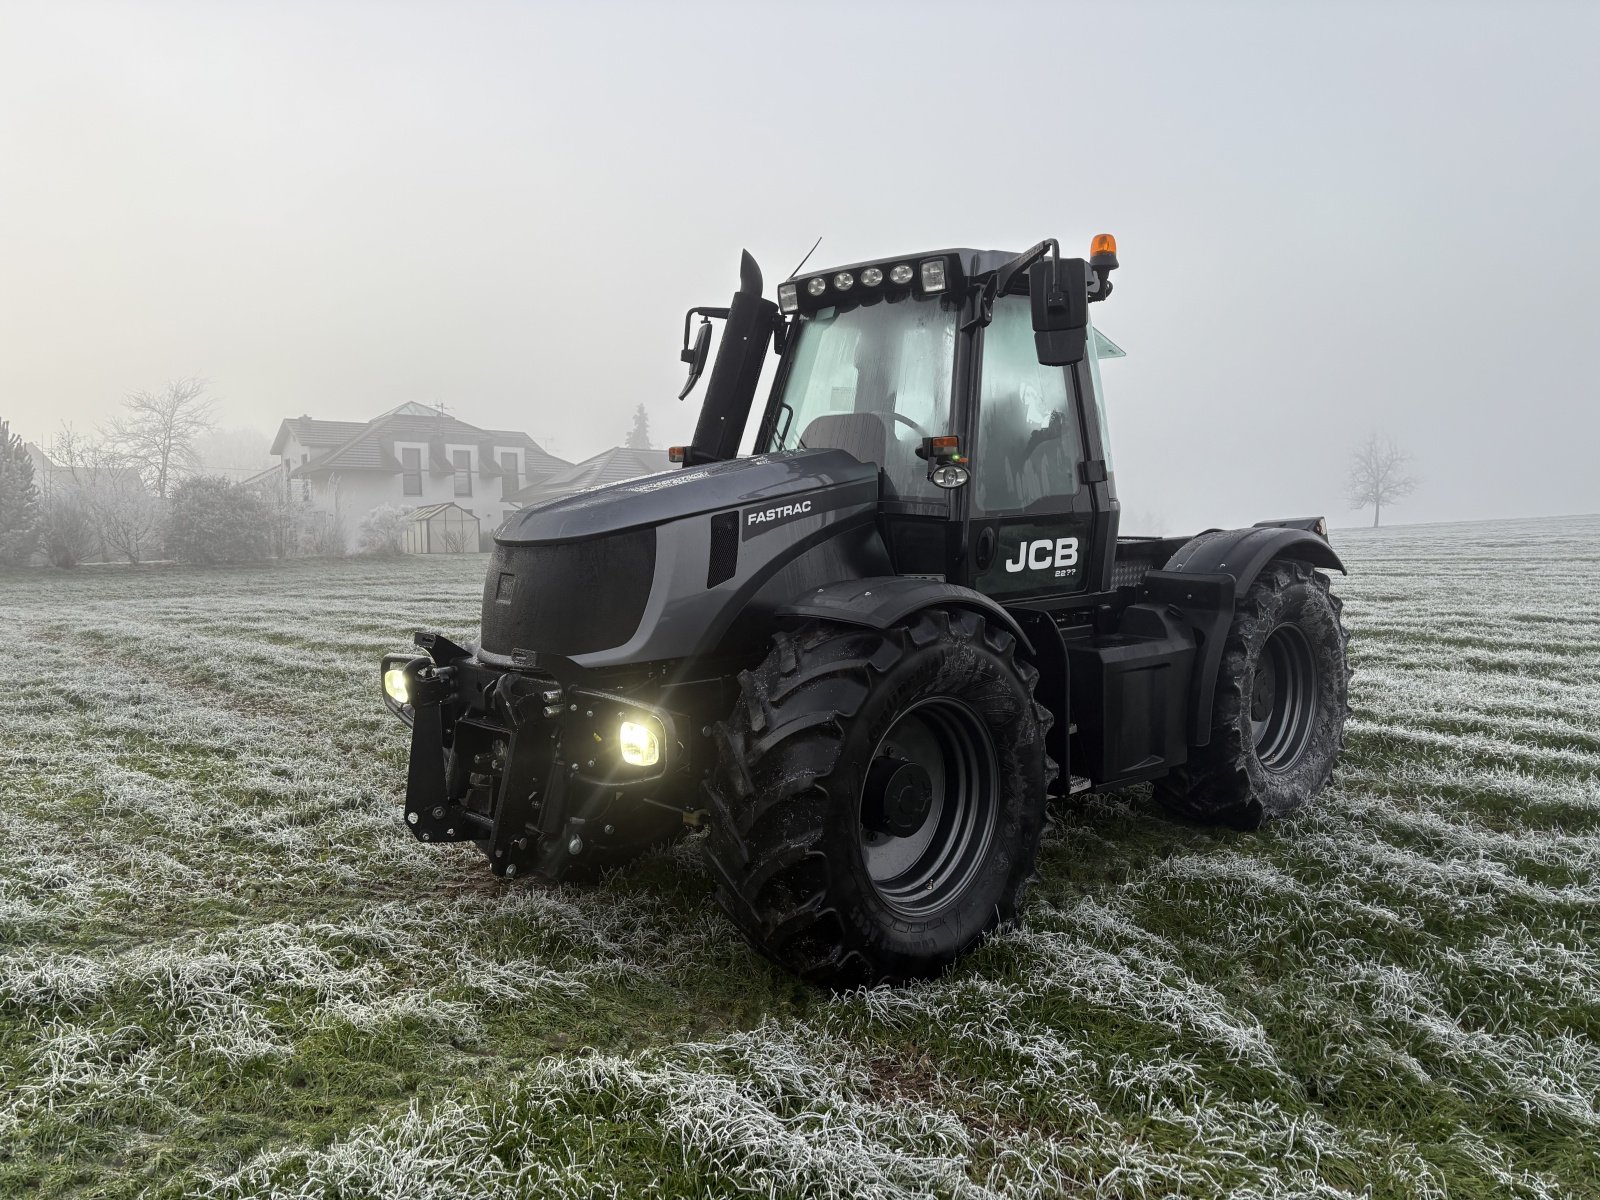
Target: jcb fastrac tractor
[(870, 653)]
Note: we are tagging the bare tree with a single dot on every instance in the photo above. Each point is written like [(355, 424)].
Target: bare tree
[(1378, 475), (159, 431), (126, 516)]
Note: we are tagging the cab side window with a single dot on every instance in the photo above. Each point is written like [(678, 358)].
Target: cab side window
[(1028, 449)]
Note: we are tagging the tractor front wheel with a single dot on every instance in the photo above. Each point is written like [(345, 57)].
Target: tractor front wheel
[(880, 796)]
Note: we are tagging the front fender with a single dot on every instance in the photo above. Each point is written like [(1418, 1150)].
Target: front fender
[(880, 601)]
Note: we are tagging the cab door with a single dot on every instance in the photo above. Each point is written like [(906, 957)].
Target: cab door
[(1029, 507)]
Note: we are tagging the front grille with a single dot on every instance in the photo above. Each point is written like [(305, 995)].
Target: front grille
[(568, 598)]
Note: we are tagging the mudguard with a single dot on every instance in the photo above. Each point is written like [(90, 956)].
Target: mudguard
[(1243, 552), (880, 601), (1204, 578)]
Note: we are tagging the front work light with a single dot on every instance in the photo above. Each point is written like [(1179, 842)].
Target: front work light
[(788, 297), (933, 275), (817, 286), (900, 275), (640, 742), (871, 277), (844, 281), (394, 686)]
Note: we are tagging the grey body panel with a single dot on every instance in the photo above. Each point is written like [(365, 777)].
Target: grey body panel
[(690, 491)]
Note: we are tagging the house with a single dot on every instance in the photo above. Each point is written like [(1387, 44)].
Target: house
[(411, 456), (609, 466)]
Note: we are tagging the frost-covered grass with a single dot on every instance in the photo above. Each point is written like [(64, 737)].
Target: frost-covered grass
[(226, 970)]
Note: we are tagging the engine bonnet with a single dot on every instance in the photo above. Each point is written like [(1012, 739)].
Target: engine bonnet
[(686, 492)]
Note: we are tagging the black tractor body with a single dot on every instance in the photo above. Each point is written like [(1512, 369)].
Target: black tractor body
[(869, 654)]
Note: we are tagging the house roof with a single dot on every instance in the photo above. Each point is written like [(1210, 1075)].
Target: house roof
[(609, 466), (315, 435), (370, 446)]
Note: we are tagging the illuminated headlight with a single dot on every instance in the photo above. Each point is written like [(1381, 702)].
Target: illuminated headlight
[(817, 286), (871, 277), (900, 275), (788, 297), (394, 686), (640, 743), (933, 275), (844, 281)]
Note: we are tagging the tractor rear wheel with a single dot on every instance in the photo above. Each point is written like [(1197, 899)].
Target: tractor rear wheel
[(880, 795), (1277, 720)]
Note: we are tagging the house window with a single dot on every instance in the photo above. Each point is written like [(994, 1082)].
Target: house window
[(510, 477), (463, 464), (411, 465)]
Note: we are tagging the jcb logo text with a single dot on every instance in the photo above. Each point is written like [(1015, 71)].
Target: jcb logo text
[(1060, 553)]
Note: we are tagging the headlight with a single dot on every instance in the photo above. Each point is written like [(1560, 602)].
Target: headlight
[(394, 685), (640, 742)]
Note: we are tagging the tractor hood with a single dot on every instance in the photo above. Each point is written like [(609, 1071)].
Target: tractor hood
[(686, 492)]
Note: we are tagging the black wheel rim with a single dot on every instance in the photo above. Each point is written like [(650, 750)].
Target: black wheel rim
[(921, 872), (1283, 699)]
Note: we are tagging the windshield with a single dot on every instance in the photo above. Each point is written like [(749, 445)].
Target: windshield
[(873, 380)]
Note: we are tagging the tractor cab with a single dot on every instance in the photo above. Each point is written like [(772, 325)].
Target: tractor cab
[(971, 381)]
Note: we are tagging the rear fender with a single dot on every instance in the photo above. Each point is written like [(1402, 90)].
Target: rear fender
[(1204, 579)]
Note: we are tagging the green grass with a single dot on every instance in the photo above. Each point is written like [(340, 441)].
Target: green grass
[(226, 969)]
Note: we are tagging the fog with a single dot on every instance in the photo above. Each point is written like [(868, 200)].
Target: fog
[(1332, 220)]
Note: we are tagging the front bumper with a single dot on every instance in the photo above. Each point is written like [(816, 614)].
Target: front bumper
[(528, 762)]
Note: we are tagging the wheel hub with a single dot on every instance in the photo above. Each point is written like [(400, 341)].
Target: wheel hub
[(929, 806), (898, 797)]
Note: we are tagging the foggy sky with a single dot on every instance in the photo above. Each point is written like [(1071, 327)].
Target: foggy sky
[(1331, 220)]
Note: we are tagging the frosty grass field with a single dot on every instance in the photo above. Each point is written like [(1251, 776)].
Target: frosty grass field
[(227, 970)]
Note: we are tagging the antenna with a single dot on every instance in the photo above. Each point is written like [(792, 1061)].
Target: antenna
[(807, 258)]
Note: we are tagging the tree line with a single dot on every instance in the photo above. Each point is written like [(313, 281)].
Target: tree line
[(132, 490)]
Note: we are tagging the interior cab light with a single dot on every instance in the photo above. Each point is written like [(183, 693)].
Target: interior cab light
[(933, 275)]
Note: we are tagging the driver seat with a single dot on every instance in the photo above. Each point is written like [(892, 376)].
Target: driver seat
[(861, 434)]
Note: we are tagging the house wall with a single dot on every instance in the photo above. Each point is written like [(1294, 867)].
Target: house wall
[(353, 494)]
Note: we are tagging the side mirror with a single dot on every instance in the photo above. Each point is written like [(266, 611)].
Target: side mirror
[(696, 355), (1058, 288)]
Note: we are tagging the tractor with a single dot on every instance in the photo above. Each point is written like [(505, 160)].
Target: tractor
[(868, 656)]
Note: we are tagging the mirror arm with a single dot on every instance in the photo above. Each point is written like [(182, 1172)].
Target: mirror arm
[(690, 315)]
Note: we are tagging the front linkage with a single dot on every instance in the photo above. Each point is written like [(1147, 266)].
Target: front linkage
[(542, 772)]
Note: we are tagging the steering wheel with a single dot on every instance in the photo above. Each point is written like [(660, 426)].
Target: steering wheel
[(905, 420)]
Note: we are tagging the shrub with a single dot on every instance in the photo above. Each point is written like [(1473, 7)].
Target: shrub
[(19, 501), (68, 530), (383, 530), (216, 521)]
